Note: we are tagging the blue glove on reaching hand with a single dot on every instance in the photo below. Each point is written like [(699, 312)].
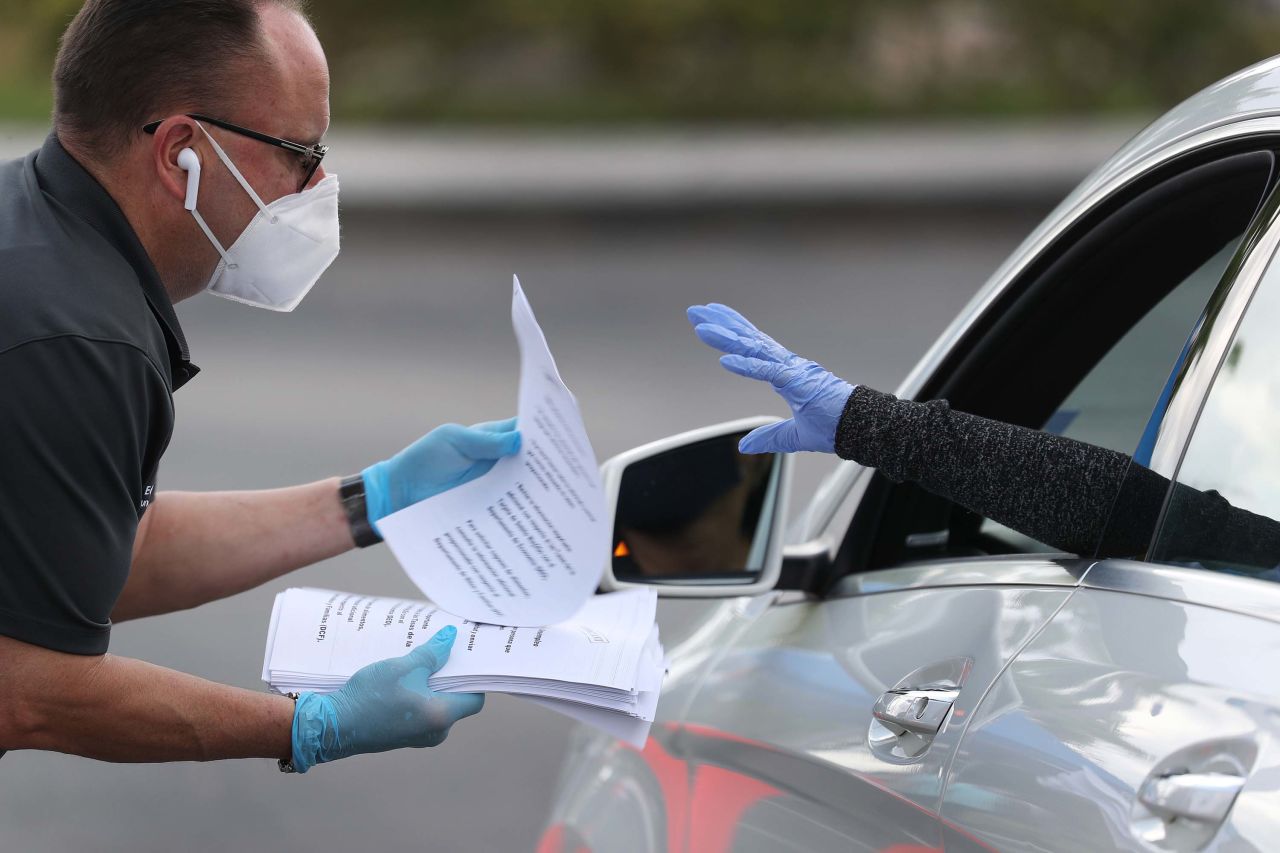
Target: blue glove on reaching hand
[(815, 395), (448, 456), (386, 705)]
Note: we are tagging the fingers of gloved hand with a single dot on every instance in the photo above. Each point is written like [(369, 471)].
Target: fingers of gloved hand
[(699, 314), (443, 711), (426, 658), (507, 425), (480, 444), (436, 714), (461, 705), (434, 653), (781, 437), (474, 472), (432, 719), (772, 372), (739, 341), (722, 315), (753, 341), (718, 337)]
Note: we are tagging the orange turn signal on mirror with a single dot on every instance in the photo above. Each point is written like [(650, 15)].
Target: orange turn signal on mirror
[(622, 550)]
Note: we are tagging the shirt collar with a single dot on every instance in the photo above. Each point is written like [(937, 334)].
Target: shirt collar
[(63, 178)]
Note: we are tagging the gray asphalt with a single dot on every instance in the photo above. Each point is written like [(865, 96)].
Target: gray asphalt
[(411, 329)]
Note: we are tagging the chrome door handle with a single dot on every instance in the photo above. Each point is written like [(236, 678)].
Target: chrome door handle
[(1206, 797), (920, 712)]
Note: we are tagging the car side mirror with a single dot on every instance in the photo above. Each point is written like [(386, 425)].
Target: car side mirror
[(695, 518)]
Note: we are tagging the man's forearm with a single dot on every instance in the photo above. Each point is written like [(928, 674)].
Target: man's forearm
[(118, 709), (195, 547)]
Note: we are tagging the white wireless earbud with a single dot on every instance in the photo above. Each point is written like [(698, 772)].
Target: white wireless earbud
[(190, 161)]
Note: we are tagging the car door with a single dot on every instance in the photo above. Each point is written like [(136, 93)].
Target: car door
[(846, 711), (1146, 715)]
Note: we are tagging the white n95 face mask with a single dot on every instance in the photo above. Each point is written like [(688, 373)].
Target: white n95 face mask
[(282, 251)]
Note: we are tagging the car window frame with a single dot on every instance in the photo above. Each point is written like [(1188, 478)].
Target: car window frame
[(865, 488)]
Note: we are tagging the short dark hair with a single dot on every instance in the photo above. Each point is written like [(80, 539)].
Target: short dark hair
[(122, 63)]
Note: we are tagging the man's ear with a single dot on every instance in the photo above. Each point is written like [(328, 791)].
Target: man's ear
[(172, 137)]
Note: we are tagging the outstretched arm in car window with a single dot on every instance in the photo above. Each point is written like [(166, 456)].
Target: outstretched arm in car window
[(1071, 495)]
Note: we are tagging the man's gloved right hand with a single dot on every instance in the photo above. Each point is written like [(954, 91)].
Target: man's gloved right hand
[(816, 396), (444, 458), (386, 705)]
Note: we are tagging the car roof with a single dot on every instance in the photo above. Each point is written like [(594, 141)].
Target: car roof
[(1248, 94), (1231, 107)]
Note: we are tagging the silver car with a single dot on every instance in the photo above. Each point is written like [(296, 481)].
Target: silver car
[(895, 673)]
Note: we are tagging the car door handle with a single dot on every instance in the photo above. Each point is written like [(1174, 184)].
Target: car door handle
[(919, 712), (1204, 797)]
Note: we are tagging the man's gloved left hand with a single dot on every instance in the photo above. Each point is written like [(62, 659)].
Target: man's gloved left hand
[(448, 456), (386, 705)]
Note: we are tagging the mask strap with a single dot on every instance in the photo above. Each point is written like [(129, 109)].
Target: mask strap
[(222, 155), (212, 239)]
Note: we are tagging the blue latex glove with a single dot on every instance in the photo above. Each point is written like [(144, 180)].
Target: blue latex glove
[(448, 456), (386, 705), (816, 396)]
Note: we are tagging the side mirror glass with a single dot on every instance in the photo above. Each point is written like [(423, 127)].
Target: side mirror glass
[(695, 517)]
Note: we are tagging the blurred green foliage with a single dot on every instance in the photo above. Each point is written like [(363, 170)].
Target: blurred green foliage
[(750, 60)]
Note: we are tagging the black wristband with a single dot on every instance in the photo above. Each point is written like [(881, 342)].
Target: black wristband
[(351, 492), (286, 764)]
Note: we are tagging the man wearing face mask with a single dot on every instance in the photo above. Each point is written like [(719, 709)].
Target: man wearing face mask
[(185, 157)]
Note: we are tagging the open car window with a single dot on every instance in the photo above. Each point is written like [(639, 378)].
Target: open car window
[(1116, 403), (1082, 344)]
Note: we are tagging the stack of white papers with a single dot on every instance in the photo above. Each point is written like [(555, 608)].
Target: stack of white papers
[(603, 666), (521, 547)]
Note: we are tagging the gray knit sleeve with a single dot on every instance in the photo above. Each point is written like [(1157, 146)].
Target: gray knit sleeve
[(1053, 489), (1071, 495)]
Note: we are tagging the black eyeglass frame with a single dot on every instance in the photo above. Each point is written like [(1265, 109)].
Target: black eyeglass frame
[(313, 153)]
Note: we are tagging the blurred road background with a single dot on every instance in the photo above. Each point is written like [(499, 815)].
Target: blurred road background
[(845, 172)]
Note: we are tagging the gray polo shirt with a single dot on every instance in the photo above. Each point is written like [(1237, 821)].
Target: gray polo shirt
[(90, 354)]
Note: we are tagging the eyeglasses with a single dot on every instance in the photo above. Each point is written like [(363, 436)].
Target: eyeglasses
[(309, 155)]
